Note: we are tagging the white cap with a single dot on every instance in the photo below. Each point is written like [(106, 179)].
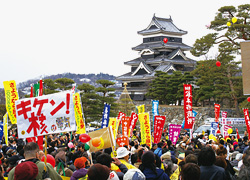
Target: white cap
[(134, 174), (122, 152)]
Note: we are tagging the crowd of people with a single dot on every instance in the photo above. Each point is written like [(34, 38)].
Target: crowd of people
[(190, 159)]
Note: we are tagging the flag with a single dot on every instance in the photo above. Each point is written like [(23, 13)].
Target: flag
[(11, 97), (5, 127), (216, 112), (36, 87), (112, 124), (188, 106), (246, 114), (155, 110), (125, 126), (134, 118), (174, 132), (105, 115), (158, 127), (141, 109), (145, 129), (214, 126), (78, 114), (237, 131)]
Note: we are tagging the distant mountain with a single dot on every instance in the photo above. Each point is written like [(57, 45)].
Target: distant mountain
[(24, 87)]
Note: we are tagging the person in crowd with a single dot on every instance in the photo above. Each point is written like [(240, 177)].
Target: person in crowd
[(209, 171), (98, 172), (191, 158), (27, 170), (123, 156), (80, 172), (134, 174), (60, 158), (222, 151), (31, 154), (158, 151), (190, 171), (149, 169)]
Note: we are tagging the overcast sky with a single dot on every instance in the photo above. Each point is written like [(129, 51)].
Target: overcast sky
[(48, 37)]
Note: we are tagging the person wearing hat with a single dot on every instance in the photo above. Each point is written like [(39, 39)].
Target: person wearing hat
[(123, 156), (134, 174), (80, 172), (44, 171), (26, 171)]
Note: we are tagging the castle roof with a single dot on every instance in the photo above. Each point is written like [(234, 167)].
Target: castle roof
[(162, 25)]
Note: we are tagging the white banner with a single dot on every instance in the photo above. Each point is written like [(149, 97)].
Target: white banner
[(46, 114)]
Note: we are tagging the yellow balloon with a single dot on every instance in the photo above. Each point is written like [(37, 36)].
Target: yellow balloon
[(102, 144), (228, 24), (230, 131), (234, 19)]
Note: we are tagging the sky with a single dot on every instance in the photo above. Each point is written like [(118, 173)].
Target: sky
[(39, 38)]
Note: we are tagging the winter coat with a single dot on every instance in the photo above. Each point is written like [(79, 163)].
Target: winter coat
[(80, 173), (150, 175)]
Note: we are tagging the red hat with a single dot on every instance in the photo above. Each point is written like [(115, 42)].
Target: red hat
[(80, 162), (26, 170)]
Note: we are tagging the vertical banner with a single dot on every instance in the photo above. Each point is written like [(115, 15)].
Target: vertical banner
[(214, 126), (125, 126), (41, 87), (112, 123), (145, 129), (188, 106), (1, 131), (10, 97), (216, 112), (174, 132), (237, 131), (31, 91), (120, 115), (155, 110), (105, 115), (158, 127), (224, 117), (141, 109), (134, 118), (5, 128), (36, 87), (78, 114), (246, 114)]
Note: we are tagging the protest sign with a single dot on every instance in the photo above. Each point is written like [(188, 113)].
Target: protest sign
[(174, 132)]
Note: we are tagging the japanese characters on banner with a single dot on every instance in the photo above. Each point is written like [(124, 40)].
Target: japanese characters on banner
[(225, 128), (224, 117), (174, 132), (141, 109), (145, 129), (216, 112), (158, 127), (5, 127), (188, 106), (125, 126), (246, 114), (10, 97), (1, 131), (119, 117), (122, 141), (46, 114), (134, 118), (78, 114), (112, 123), (105, 115), (214, 126)]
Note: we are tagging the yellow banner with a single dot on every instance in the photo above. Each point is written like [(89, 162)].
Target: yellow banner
[(112, 123), (78, 114), (11, 96), (141, 109), (145, 129), (5, 128)]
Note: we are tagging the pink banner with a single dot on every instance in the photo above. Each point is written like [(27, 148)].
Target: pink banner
[(158, 127), (246, 114), (174, 132), (216, 112), (188, 106), (134, 118)]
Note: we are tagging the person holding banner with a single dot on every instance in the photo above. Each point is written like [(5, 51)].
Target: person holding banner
[(31, 154)]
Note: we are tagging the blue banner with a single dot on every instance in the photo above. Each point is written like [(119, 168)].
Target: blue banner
[(214, 126), (194, 113), (105, 115), (1, 131), (155, 109)]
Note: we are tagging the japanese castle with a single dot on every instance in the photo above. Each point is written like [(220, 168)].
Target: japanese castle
[(156, 54)]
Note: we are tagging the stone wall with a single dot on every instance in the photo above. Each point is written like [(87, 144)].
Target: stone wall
[(175, 114)]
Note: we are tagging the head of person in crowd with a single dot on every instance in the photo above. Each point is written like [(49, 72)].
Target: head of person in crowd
[(108, 150), (190, 171), (157, 161), (26, 171), (98, 172), (191, 158), (244, 173), (134, 174), (246, 160), (221, 151), (61, 157), (80, 162), (104, 159), (168, 166), (221, 162), (148, 161), (123, 153), (31, 150), (206, 157), (40, 154), (154, 147)]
